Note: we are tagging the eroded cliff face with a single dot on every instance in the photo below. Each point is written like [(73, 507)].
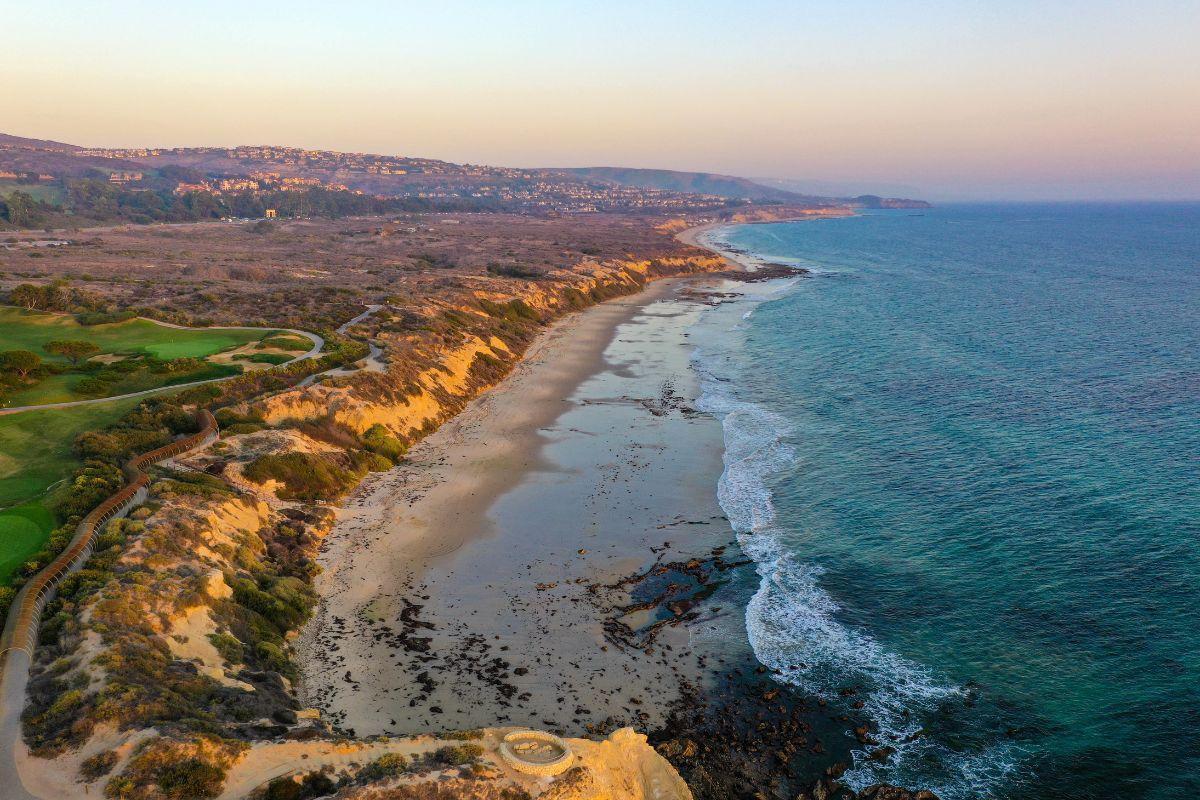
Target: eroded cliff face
[(621, 767), (483, 333), (173, 645)]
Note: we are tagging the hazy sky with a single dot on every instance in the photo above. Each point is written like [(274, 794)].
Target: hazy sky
[(1003, 99)]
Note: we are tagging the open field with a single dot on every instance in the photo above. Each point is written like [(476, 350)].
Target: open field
[(23, 528), (35, 453), (66, 387), (30, 330), (47, 193), (128, 342), (318, 273)]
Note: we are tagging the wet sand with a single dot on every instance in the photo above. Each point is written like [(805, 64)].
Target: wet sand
[(468, 586)]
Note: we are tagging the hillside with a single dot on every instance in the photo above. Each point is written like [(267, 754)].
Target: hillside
[(731, 187), (52, 184), (692, 182)]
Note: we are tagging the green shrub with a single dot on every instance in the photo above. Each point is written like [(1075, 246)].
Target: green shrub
[(462, 736), (456, 755), (513, 310), (190, 778), (388, 765), (379, 440), (283, 789), (304, 476), (286, 342), (513, 271), (229, 647), (7, 593), (272, 657), (93, 387), (268, 358), (314, 784), (238, 428), (95, 767)]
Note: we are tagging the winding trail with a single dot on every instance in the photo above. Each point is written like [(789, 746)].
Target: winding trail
[(372, 363), (20, 634)]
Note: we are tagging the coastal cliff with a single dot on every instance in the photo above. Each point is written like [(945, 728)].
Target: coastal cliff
[(167, 662)]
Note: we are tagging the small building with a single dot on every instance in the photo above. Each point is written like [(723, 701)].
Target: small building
[(270, 213), (122, 178)]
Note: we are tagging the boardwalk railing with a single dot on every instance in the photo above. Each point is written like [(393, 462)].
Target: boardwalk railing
[(25, 615)]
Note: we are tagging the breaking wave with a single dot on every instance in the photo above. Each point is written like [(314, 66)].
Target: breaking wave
[(792, 621)]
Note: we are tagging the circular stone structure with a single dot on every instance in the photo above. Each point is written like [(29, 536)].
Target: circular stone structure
[(536, 753)]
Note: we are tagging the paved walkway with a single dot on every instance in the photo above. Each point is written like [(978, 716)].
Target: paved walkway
[(19, 637), (372, 363), (16, 656)]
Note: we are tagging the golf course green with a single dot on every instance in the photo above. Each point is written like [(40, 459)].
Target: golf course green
[(36, 453), (31, 330)]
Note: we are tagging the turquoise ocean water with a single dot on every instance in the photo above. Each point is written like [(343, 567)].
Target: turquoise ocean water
[(965, 456)]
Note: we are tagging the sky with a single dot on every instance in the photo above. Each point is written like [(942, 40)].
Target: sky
[(1005, 99)]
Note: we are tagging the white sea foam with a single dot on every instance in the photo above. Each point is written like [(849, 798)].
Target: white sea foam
[(792, 621)]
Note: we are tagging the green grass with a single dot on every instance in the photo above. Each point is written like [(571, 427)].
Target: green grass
[(287, 341), (267, 358), (36, 453), (62, 388), (49, 194), (23, 529), (29, 330), (35, 446)]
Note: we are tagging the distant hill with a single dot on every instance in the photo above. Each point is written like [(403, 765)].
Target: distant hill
[(147, 184), (730, 186), (42, 156), (35, 144), (692, 182), (840, 188)]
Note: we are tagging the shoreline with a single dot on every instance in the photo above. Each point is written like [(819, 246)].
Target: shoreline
[(399, 526), (555, 557)]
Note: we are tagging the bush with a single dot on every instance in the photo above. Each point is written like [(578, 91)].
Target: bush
[(513, 271), (93, 387), (456, 755), (190, 778), (95, 767), (229, 647), (268, 358), (513, 310), (314, 784), (378, 439), (239, 428), (304, 476), (286, 342), (272, 657), (463, 736), (388, 765), (7, 593)]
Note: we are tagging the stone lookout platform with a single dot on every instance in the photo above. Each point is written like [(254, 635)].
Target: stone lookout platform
[(536, 753)]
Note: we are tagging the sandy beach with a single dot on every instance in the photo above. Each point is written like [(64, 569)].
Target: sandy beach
[(470, 586)]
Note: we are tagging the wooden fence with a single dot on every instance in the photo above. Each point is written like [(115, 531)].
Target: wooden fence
[(25, 615)]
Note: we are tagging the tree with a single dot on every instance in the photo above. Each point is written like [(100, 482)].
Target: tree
[(27, 296), (21, 362), (73, 350), (23, 210)]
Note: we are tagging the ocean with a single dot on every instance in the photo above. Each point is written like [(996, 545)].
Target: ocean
[(964, 455)]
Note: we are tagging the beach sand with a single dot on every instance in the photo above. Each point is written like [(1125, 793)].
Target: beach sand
[(464, 588)]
